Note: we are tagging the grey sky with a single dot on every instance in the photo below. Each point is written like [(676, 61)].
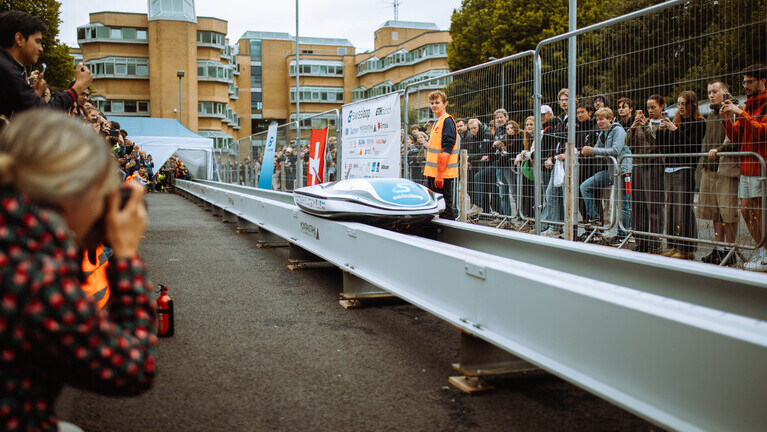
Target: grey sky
[(351, 19)]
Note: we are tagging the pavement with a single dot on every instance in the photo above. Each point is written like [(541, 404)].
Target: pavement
[(259, 347)]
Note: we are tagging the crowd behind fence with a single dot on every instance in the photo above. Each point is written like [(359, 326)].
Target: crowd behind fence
[(648, 94)]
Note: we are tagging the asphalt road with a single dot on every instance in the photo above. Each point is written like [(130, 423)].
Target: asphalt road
[(259, 348)]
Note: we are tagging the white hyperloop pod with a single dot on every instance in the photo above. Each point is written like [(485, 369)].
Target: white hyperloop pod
[(376, 201)]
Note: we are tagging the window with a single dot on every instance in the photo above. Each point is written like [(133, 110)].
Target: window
[(341, 51), (332, 95), (213, 39), (255, 49), (359, 93), (256, 104), (211, 109), (209, 70), (140, 108), (324, 68), (119, 67), (402, 57), (93, 32), (394, 35)]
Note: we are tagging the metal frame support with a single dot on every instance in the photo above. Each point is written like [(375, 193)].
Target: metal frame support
[(246, 227), (477, 358), (217, 211), (267, 239), (228, 217), (585, 313), (356, 288)]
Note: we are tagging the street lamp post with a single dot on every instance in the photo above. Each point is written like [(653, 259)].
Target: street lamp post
[(180, 74)]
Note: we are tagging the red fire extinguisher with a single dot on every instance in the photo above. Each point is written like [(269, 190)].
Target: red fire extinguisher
[(164, 313)]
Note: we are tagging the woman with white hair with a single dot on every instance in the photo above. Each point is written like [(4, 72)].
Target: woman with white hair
[(57, 179)]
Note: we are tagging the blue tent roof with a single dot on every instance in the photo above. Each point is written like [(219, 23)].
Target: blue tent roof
[(156, 127)]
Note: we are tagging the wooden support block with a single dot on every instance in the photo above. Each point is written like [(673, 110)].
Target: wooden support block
[(310, 265), (351, 304), (470, 385)]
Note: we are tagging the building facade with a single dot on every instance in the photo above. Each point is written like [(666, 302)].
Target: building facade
[(137, 60), (228, 91)]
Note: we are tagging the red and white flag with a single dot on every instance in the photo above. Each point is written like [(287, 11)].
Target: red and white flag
[(317, 156)]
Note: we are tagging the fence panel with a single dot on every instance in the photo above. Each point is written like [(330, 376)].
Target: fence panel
[(491, 104), (662, 62)]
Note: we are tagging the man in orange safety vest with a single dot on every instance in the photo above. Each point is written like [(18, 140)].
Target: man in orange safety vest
[(442, 154)]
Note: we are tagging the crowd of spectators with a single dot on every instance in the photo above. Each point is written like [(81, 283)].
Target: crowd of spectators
[(669, 171)]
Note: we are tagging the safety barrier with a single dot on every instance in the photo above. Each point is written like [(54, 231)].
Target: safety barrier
[(680, 344)]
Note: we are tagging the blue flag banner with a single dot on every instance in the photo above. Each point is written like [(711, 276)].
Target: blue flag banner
[(267, 165)]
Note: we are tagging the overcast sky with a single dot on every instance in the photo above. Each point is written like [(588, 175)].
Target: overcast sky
[(350, 19)]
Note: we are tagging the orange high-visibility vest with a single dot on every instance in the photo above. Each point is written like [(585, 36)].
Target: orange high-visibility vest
[(95, 274), (131, 177), (435, 148)]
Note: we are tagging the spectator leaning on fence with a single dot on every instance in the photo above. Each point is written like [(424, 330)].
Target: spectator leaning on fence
[(586, 134), (21, 37), (477, 143), (718, 199), (499, 158), (682, 136), (611, 143), (647, 176), (749, 128)]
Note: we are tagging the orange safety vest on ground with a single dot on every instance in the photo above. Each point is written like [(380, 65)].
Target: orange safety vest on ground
[(95, 282), (435, 148)]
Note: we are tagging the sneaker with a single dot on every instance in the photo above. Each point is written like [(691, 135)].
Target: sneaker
[(684, 255), (669, 252), (551, 232), (474, 210), (756, 264), (715, 257)]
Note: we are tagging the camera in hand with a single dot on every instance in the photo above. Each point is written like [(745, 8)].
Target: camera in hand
[(727, 97), (97, 235)]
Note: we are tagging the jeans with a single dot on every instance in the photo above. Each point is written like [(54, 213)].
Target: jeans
[(482, 187), (506, 181), (555, 203), (625, 209), (593, 183)]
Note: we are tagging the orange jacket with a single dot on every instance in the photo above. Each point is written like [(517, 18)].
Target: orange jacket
[(96, 284)]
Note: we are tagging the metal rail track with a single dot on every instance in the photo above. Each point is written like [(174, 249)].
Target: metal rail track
[(682, 344)]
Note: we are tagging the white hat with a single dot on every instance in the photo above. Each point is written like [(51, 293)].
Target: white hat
[(545, 109), (288, 149)]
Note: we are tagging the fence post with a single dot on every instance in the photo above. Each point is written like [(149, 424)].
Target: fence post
[(571, 214), (463, 193)]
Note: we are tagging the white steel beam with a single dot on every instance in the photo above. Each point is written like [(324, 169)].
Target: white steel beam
[(679, 363)]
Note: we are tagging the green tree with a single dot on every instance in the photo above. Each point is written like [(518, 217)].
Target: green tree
[(59, 72), (498, 28)]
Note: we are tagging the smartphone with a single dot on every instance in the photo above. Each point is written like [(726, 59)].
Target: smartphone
[(664, 115), (639, 113), (42, 69)]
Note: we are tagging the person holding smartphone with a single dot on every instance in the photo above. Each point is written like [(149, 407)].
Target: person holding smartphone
[(683, 135), (647, 176), (21, 43)]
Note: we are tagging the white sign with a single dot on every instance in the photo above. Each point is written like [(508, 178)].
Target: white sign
[(370, 138)]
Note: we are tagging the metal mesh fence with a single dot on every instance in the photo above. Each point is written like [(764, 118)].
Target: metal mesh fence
[(491, 105)]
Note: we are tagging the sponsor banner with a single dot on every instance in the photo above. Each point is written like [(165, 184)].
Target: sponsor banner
[(371, 138), (267, 165), (317, 156)]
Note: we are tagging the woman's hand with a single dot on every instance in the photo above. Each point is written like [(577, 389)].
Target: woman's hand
[(125, 227)]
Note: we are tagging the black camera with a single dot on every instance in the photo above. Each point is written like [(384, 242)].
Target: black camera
[(97, 235), (727, 97)]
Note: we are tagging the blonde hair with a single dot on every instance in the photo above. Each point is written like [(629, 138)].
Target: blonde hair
[(53, 158), (605, 112), (438, 94)]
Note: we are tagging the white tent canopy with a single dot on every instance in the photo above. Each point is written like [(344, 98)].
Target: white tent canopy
[(162, 137)]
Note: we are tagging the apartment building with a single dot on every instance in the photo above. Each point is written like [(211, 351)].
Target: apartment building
[(137, 60), (332, 73), (229, 91)]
